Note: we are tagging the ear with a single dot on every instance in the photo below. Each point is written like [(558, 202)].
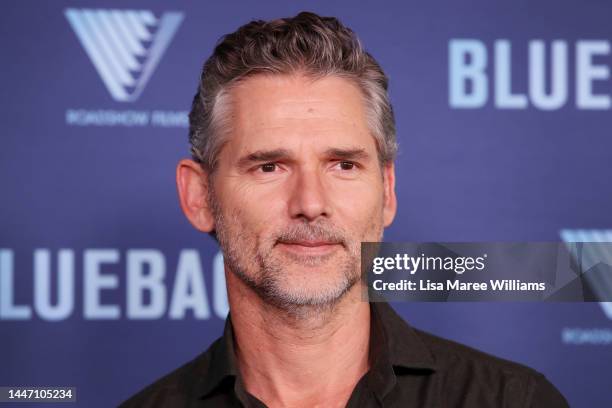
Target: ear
[(192, 185), (390, 200)]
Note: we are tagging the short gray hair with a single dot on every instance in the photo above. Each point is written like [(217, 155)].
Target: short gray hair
[(307, 43)]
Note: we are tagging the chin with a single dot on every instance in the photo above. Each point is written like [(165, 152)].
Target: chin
[(320, 294)]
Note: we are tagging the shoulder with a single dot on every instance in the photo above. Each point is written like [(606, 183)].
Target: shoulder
[(479, 375), (172, 389)]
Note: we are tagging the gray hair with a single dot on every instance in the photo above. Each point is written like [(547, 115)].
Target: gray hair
[(307, 43)]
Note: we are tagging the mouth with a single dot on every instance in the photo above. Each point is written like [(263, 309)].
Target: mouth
[(309, 247)]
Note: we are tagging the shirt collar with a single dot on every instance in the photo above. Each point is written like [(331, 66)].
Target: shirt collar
[(393, 344), (222, 363), (395, 349), (404, 345)]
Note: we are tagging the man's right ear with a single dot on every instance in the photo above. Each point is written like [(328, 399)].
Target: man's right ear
[(193, 189)]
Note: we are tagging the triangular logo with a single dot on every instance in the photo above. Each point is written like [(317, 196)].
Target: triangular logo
[(124, 46), (607, 308), (571, 236)]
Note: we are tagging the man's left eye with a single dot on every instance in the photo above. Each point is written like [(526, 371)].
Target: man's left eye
[(268, 167), (346, 165)]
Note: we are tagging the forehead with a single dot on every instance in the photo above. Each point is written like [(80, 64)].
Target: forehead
[(273, 109)]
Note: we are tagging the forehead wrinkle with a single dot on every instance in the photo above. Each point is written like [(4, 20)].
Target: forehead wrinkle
[(318, 120)]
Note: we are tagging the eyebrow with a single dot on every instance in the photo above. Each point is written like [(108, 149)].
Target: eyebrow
[(263, 156), (348, 154)]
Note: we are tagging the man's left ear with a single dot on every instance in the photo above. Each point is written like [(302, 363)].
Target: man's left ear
[(390, 200)]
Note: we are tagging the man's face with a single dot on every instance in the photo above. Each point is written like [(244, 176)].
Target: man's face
[(297, 188)]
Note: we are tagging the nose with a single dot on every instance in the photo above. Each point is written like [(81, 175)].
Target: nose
[(308, 196)]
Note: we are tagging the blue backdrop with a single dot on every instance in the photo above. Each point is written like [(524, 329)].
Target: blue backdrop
[(496, 143)]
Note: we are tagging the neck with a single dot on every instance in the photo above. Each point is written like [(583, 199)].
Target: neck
[(309, 358)]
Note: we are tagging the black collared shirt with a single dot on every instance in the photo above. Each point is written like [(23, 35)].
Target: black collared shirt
[(408, 368)]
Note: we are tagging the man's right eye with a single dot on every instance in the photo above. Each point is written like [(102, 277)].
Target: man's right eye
[(268, 167)]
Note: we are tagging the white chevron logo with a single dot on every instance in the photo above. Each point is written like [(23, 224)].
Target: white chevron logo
[(592, 236), (124, 46)]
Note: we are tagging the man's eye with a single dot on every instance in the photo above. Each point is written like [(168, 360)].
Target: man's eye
[(347, 165), (268, 167)]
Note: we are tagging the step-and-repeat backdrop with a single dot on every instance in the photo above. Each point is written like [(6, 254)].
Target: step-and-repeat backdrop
[(504, 113)]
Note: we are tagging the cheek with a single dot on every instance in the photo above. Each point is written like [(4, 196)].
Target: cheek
[(253, 210), (361, 206)]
